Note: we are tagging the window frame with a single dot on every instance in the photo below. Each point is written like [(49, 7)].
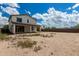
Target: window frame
[(33, 28), (19, 19), (28, 21)]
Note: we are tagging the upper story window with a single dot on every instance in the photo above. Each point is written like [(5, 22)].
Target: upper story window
[(19, 19), (27, 20)]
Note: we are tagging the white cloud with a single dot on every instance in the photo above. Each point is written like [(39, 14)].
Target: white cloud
[(14, 5), (69, 8), (55, 18), (28, 12), (37, 16), (3, 20), (76, 5), (75, 11), (73, 7), (38, 23), (10, 10)]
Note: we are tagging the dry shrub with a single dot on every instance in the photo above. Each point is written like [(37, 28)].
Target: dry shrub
[(36, 34), (51, 53), (37, 48), (41, 42), (26, 44), (3, 37), (29, 34), (46, 35)]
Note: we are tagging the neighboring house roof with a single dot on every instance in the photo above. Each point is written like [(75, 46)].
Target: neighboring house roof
[(21, 15)]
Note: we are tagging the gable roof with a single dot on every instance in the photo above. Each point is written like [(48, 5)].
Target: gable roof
[(20, 15)]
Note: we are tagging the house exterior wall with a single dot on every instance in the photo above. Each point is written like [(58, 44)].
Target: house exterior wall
[(35, 29), (24, 19), (12, 27), (27, 28)]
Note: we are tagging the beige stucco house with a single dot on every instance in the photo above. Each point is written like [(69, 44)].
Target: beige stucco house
[(23, 23)]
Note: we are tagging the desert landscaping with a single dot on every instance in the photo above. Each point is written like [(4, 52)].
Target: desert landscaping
[(40, 44)]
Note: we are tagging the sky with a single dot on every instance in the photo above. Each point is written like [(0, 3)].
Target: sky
[(59, 15)]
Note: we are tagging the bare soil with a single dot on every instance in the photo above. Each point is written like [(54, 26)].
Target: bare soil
[(48, 44)]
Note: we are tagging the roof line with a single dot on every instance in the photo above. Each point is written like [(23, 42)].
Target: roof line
[(20, 15), (25, 24)]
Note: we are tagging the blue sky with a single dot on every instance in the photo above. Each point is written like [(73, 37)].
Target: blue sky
[(48, 14), (43, 7)]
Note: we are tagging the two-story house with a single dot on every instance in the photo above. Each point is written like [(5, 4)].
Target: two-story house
[(23, 23)]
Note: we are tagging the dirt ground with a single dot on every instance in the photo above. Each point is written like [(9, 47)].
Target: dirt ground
[(51, 43)]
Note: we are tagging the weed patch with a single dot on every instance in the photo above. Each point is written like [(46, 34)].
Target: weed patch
[(26, 44), (3, 37), (37, 48)]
